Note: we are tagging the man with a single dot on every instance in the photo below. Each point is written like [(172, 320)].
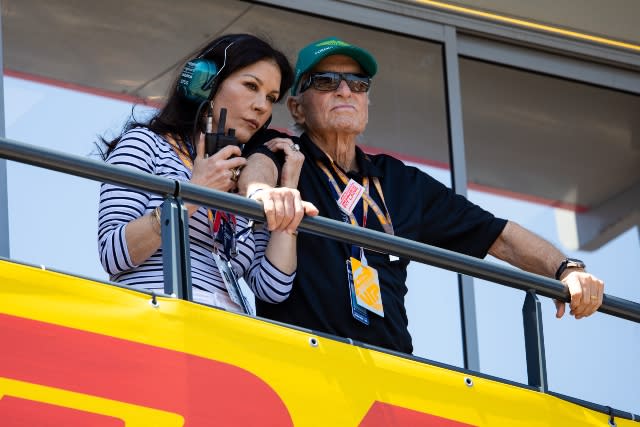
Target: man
[(345, 290)]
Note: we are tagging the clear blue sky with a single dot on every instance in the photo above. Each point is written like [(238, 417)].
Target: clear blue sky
[(53, 221)]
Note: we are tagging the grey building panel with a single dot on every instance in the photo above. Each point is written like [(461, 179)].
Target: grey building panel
[(383, 14), (549, 63), (390, 16)]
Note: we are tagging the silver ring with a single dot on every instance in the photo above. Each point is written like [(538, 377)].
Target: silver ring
[(235, 173), (295, 147)]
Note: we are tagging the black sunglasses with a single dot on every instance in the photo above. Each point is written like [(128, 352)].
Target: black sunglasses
[(328, 81)]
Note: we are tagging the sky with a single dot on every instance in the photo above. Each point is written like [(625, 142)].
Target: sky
[(53, 222)]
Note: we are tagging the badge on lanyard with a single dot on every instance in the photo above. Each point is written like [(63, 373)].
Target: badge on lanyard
[(366, 285), (350, 196), (227, 237), (232, 285), (359, 313)]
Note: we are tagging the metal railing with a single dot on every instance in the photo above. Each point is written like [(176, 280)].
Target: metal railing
[(177, 277)]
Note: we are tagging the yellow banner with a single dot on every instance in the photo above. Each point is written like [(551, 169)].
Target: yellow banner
[(79, 353)]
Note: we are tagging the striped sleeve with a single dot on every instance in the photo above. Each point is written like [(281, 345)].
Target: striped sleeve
[(265, 280), (119, 205)]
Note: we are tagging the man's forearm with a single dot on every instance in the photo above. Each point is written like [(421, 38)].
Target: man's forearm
[(526, 250)]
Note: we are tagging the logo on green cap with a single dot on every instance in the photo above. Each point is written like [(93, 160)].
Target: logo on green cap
[(333, 43)]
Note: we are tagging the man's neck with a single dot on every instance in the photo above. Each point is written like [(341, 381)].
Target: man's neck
[(340, 149)]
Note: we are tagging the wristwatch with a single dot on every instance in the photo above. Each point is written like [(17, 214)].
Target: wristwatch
[(569, 263)]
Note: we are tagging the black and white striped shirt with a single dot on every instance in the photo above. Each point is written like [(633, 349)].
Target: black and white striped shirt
[(146, 151)]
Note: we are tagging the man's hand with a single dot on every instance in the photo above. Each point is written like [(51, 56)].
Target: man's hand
[(586, 294), (524, 249)]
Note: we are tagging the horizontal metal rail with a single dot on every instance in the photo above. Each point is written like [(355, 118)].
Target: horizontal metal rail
[(378, 241)]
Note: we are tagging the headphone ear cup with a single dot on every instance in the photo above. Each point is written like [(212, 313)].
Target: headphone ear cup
[(197, 79)]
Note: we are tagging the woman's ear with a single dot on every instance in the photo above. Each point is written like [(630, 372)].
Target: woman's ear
[(295, 109)]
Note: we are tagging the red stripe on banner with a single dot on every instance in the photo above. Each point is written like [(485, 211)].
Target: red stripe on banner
[(205, 392), (16, 412), (383, 415)]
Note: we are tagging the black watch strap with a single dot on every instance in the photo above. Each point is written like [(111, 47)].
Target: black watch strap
[(568, 263)]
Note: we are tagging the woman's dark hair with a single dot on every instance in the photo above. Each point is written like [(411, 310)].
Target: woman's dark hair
[(178, 115)]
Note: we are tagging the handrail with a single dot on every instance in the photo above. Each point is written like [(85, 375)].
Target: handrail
[(374, 240)]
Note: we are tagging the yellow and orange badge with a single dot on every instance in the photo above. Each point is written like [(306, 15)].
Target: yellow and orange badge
[(367, 286)]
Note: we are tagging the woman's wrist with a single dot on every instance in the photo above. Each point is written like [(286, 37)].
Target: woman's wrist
[(254, 192), (156, 222)]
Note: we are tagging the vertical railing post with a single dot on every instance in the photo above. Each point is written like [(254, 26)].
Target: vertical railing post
[(534, 341), (5, 247), (468, 322), (174, 226)]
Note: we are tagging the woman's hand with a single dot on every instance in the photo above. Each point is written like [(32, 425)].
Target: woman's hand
[(293, 160), (283, 208), (217, 172)]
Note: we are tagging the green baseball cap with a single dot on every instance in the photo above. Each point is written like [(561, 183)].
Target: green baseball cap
[(315, 52)]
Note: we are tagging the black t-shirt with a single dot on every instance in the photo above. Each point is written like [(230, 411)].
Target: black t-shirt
[(420, 208)]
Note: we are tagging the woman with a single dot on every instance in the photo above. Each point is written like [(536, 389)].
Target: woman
[(246, 76)]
